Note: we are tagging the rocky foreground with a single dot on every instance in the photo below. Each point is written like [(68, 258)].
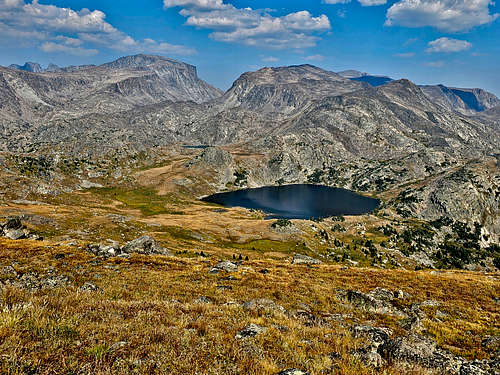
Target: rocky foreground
[(67, 308)]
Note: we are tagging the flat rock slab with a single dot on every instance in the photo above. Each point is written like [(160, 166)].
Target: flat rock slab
[(304, 259)]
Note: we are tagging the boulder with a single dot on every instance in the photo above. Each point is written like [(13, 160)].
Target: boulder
[(292, 371), (369, 356), (399, 294), (15, 234), (144, 245), (412, 324), (251, 330), (89, 287), (104, 250), (416, 349), (382, 294), (376, 336), (13, 223), (304, 259), (368, 302), (472, 369), (263, 304), (491, 343), (226, 266)]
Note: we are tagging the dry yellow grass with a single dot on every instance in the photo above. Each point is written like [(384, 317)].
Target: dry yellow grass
[(144, 319)]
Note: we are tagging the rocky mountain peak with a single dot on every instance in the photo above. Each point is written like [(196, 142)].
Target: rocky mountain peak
[(290, 74), (28, 67), (285, 89), (52, 68), (401, 87), (141, 61)]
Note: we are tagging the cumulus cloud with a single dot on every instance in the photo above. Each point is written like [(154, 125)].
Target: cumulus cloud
[(448, 45), (55, 29), (445, 15), (252, 27), (365, 3)]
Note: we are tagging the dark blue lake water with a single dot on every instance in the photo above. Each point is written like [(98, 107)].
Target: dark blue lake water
[(298, 201)]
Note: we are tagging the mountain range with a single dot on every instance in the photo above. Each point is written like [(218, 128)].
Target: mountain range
[(347, 129)]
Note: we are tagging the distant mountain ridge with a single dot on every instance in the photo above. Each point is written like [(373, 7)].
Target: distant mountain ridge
[(146, 84), (28, 67), (119, 86), (465, 101)]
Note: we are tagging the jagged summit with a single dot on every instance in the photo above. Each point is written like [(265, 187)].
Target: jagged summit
[(28, 67)]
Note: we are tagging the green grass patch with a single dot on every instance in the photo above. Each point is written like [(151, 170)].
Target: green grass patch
[(144, 199)]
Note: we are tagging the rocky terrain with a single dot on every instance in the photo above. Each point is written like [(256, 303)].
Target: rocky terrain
[(205, 311), (109, 260), (33, 98), (465, 101)]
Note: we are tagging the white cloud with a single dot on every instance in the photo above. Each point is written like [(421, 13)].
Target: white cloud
[(77, 51), (55, 29), (446, 15), (435, 64), (252, 27), (197, 4), (410, 41), (270, 59), (405, 55), (365, 3), (369, 3), (315, 58), (448, 45)]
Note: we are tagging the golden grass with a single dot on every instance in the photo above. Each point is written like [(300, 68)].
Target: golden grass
[(144, 318)]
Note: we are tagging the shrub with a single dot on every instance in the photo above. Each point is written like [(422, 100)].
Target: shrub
[(281, 223)]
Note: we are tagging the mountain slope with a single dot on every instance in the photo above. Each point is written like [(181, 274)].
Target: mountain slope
[(465, 101), (390, 121), (119, 86), (285, 89)]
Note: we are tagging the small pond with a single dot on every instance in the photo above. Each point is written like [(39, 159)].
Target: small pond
[(297, 201)]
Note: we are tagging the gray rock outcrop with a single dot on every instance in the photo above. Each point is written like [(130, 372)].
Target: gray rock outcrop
[(304, 259)]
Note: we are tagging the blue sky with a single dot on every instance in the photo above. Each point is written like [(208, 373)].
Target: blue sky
[(454, 42)]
